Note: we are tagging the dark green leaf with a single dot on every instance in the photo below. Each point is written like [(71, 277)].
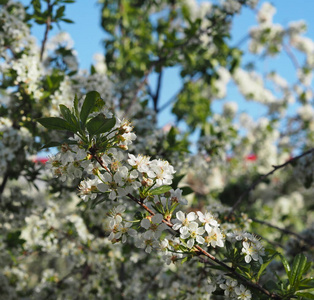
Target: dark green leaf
[(67, 21), (51, 144), (13, 239), (88, 106), (160, 190), (75, 106), (307, 283), (176, 180), (68, 116), (60, 12), (56, 123), (100, 124), (286, 266), (299, 264), (186, 190), (305, 295)]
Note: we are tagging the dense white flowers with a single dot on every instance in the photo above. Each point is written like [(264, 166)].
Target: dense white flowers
[(83, 244)]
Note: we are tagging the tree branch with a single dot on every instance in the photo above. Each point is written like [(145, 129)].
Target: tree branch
[(4, 182), (141, 85), (201, 251), (291, 56), (236, 275), (284, 230), (171, 100), (261, 178), (48, 25), (156, 96)]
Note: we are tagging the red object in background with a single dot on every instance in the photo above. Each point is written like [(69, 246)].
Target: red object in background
[(41, 160), (251, 157)]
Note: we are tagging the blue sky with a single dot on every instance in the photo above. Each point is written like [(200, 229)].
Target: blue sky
[(88, 35)]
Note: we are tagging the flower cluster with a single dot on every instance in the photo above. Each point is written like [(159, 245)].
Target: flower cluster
[(126, 232)]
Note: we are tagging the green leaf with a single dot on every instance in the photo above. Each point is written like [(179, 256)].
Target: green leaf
[(307, 283), (286, 266), (307, 267), (299, 264), (186, 190), (60, 12), (88, 105), (305, 295), (51, 144), (68, 116), (67, 21), (184, 259), (264, 266), (160, 190), (13, 239), (56, 123), (176, 180), (75, 106), (100, 124)]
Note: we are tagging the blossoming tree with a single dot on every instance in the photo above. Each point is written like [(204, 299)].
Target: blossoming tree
[(125, 210)]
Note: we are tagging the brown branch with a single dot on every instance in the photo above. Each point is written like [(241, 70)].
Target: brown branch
[(261, 178), (201, 251), (100, 161), (4, 182), (139, 202), (213, 258), (48, 25), (284, 230), (156, 96), (236, 275), (171, 100), (141, 85)]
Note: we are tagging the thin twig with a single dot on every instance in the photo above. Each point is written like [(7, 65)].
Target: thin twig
[(236, 275), (261, 178), (4, 182), (48, 25), (171, 100), (291, 56), (156, 96), (284, 230), (241, 41), (141, 85)]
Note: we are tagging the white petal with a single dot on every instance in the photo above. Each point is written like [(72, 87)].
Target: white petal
[(208, 228), (102, 187), (176, 226), (190, 243), (191, 216), (145, 223), (180, 216), (193, 226), (156, 219), (200, 239)]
